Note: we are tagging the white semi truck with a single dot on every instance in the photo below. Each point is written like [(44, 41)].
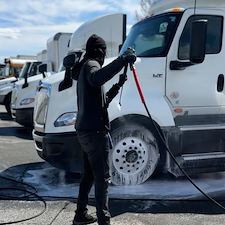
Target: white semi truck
[(6, 84), (184, 95), (23, 91), (22, 97)]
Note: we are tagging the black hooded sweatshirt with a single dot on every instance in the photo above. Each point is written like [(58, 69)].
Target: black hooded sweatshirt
[(92, 101)]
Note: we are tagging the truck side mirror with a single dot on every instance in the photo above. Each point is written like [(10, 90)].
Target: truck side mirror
[(68, 63), (198, 41), (42, 69), (16, 75), (197, 46), (25, 83)]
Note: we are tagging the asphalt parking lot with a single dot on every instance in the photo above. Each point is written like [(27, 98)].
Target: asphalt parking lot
[(51, 194)]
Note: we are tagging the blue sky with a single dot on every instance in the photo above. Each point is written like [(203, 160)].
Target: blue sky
[(26, 25)]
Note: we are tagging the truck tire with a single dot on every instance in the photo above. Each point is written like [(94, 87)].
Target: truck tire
[(134, 156), (7, 103)]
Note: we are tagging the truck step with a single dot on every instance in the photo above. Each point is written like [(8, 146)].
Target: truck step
[(201, 156), (203, 127), (199, 163)]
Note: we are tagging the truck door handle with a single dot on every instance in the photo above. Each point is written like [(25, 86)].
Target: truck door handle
[(220, 83)]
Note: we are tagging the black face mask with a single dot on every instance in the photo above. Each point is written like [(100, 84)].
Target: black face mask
[(100, 55), (100, 60)]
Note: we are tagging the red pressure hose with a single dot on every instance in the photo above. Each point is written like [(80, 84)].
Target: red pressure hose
[(133, 68), (137, 83)]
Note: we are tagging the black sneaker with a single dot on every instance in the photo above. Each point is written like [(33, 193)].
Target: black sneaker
[(84, 219)]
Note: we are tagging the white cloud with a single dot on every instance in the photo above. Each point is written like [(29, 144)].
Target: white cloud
[(10, 33), (26, 26)]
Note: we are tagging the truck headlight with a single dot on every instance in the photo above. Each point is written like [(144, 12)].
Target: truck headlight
[(66, 119), (27, 101)]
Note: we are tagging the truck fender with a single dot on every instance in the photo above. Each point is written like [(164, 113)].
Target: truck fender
[(131, 104)]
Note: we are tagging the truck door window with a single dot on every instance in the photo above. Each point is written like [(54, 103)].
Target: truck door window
[(24, 70), (34, 69), (213, 40), (152, 37), (17, 71)]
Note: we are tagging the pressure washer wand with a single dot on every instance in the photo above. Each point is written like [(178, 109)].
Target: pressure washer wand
[(124, 72)]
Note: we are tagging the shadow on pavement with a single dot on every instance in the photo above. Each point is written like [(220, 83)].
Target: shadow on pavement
[(140, 206), (20, 132), (5, 116)]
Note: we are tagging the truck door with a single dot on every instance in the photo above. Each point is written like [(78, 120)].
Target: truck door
[(195, 88)]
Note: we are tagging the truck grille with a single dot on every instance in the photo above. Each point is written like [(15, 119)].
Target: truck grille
[(41, 106)]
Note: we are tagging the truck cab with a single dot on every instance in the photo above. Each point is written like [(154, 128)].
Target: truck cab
[(14, 70), (185, 100), (23, 91)]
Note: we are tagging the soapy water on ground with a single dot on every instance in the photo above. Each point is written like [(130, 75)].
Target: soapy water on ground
[(50, 181)]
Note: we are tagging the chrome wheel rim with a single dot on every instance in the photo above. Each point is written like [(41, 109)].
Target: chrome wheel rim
[(130, 155)]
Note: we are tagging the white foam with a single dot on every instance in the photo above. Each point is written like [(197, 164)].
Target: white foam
[(51, 182)]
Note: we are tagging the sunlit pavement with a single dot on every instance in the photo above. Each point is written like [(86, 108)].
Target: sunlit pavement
[(161, 200)]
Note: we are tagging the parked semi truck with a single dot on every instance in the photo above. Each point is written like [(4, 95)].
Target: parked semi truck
[(23, 92), (22, 98), (184, 95), (30, 69)]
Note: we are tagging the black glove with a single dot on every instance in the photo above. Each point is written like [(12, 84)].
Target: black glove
[(123, 78), (129, 56)]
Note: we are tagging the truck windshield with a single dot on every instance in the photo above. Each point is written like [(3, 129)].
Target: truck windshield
[(152, 37), (24, 70), (34, 69)]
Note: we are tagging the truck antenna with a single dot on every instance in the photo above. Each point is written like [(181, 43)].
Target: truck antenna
[(195, 7)]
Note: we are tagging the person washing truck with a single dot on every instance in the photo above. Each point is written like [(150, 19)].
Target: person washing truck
[(92, 125)]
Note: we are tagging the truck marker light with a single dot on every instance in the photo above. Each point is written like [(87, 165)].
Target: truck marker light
[(178, 110), (27, 101), (176, 9), (71, 123)]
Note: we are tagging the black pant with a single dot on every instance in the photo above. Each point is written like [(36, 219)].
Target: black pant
[(95, 147)]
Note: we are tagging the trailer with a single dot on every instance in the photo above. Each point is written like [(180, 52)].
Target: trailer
[(57, 48)]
